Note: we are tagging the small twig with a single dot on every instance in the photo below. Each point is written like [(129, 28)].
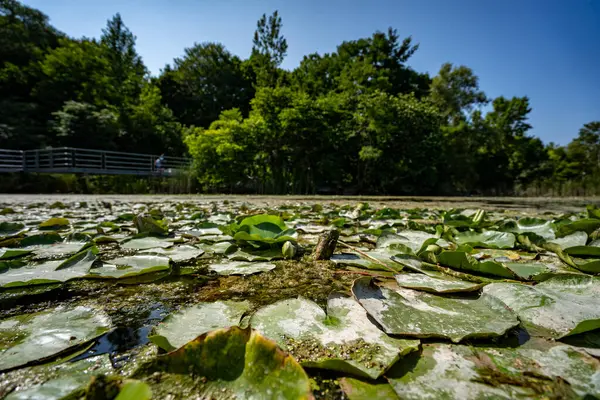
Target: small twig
[(362, 253)]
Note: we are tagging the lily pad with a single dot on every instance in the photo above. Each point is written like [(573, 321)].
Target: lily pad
[(440, 284), (48, 272), (558, 307), (575, 239), (227, 364), (147, 242), (418, 314), (125, 267), (344, 339), (35, 337), (464, 261), (54, 224), (256, 255), (538, 226), (487, 239), (9, 254), (462, 372), (241, 267), (191, 322), (361, 390), (263, 231), (61, 380), (58, 249), (177, 253), (10, 228), (147, 224)]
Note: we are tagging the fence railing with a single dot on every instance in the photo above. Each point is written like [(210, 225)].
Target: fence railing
[(86, 161)]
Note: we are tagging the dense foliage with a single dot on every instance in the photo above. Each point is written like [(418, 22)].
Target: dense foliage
[(357, 120)]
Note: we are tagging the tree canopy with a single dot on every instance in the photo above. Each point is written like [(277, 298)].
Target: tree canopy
[(357, 120)]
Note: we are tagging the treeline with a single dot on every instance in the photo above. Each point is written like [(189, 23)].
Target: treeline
[(358, 120)]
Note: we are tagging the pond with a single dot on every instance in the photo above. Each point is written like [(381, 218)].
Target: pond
[(125, 297)]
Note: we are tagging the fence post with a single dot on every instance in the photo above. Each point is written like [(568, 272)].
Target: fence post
[(23, 163)]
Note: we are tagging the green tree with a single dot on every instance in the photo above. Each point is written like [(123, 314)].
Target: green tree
[(455, 90), (205, 82), (269, 48)]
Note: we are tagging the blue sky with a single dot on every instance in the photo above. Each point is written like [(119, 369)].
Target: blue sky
[(548, 50)]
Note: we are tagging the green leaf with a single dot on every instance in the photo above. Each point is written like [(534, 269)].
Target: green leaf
[(6, 254), (146, 224), (463, 261), (228, 363), (462, 372), (360, 390), (558, 307), (135, 390), (42, 238), (418, 314), (10, 228), (343, 339), (487, 239), (146, 242), (126, 267), (54, 224), (178, 254), (586, 225), (189, 323), (35, 337)]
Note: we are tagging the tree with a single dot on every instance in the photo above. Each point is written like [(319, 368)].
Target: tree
[(127, 68), (83, 125), (205, 82), (269, 48), (455, 90)]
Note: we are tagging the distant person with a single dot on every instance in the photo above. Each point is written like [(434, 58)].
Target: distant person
[(159, 163)]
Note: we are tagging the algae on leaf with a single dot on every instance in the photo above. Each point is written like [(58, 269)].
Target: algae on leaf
[(231, 363), (191, 322), (418, 314), (460, 372), (343, 339), (34, 337), (558, 307)]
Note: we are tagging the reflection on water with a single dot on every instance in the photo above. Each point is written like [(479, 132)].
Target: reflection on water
[(124, 338)]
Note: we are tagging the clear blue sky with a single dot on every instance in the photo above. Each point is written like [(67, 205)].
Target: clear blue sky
[(548, 50)]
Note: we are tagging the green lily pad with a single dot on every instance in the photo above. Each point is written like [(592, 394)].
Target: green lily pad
[(361, 390), (125, 267), (48, 272), (537, 226), (464, 261), (487, 239), (418, 314), (54, 224), (575, 239), (61, 380), (356, 260), (440, 284), (58, 249), (263, 231), (226, 364), (177, 253), (587, 225), (343, 339), (10, 228), (9, 254), (191, 322), (558, 307), (587, 341), (412, 240), (241, 267), (35, 337), (147, 242), (146, 224), (460, 372), (40, 239), (135, 390)]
